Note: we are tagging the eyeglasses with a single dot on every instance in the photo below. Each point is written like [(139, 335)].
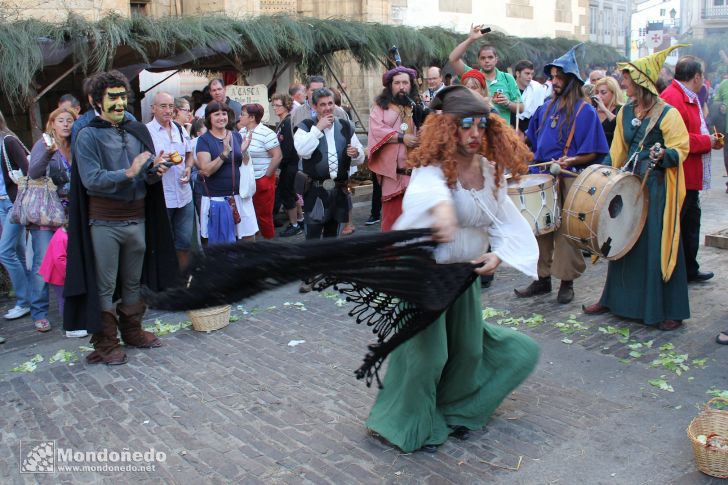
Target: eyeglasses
[(467, 123), (184, 109), (277, 105), (165, 106)]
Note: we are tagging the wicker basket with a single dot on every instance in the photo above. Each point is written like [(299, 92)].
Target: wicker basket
[(711, 460), (208, 319)]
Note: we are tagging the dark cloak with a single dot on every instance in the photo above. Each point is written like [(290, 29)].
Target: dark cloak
[(396, 285), (82, 310)]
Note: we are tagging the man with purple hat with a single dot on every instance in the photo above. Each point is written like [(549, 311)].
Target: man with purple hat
[(567, 130), (393, 124)]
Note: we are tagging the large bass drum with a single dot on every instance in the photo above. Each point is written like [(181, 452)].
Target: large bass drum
[(605, 211), (537, 197)]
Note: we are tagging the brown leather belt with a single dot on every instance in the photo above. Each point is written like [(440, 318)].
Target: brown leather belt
[(404, 171)]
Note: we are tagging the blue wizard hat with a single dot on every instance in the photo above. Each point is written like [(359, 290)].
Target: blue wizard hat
[(567, 63)]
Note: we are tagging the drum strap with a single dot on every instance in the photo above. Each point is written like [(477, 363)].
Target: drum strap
[(573, 129)]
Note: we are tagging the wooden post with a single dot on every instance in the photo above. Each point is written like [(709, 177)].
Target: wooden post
[(34, 117)]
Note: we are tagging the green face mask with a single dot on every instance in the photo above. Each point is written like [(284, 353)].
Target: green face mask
[(113, 104)]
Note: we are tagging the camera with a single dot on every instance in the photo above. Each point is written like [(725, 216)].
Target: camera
[(48, 140), (594, 101)]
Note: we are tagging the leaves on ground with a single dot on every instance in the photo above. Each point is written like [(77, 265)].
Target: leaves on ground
[(611, 330), (661, 384), (30, 365), (671, 361), (63, 356), (489, 312), (160, 328)]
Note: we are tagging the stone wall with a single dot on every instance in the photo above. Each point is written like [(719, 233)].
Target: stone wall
[(56, 10)]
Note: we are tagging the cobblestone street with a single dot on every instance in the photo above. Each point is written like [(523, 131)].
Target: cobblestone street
[(245, 405)]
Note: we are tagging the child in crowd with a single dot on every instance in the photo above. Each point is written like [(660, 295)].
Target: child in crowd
[(53, 271)]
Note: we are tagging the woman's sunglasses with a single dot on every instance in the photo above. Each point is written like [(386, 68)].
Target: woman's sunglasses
[(467, 123)]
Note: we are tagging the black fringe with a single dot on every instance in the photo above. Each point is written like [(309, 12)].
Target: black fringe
[(397, 287)]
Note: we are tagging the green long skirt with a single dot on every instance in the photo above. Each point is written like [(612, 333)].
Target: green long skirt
[(454, 373)]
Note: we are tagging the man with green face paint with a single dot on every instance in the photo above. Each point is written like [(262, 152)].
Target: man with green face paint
[(119, 235)]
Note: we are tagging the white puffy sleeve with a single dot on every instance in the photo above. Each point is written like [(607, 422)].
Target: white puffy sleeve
[(427, 188), (511, 238)]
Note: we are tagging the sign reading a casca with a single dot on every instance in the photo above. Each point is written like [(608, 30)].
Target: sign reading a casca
[(250, 94)]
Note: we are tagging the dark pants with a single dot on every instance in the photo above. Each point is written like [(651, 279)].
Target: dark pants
[(690, 230), (376, 197), (316, 231)]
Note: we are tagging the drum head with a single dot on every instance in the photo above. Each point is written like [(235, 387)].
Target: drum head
[(532, 180), (622, 214)]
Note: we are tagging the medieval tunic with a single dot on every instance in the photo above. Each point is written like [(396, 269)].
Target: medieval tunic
[(458, 370), (385, 159), (650, 282)]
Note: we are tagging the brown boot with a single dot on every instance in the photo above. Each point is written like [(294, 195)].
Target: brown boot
[(538, 287), (566, 292), (130, 325), (106, 343)]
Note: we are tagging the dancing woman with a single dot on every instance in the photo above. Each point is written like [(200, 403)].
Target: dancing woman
[(450, 377)]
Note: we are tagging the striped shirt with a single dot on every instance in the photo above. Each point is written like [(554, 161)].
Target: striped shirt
[(264, 139)]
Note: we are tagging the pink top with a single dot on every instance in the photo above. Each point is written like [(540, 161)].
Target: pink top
[(53, 267)]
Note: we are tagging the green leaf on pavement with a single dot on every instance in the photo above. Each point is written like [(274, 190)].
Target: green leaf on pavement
[(63, 356), (30, 365), (661, 384), (635, 354)]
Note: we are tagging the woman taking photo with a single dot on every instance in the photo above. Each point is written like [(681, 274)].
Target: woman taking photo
[(265, 155), (608, 99), (53, 160), (13, 156), (224, 216), (282, 105)]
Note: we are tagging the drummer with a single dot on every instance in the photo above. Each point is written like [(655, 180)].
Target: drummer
[(650, 282), (567, 130)]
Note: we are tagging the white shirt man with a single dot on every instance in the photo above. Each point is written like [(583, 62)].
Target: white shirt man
[(533, 93), (434, 84)]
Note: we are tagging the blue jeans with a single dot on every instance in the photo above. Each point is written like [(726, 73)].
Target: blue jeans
[(12, 254), (181, 220), (38, 287)]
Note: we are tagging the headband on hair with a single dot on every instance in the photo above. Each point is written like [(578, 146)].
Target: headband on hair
[(475, 74), (387, 76)]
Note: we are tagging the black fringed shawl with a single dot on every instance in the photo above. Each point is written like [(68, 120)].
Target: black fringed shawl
[(391, 277)]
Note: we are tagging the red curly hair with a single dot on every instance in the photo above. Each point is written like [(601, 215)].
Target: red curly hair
[(500, 144)]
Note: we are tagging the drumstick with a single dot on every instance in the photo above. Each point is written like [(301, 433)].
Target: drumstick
[(542, 164), (555, 169)]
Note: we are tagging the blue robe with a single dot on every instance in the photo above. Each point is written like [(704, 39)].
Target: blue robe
[(547, 142)]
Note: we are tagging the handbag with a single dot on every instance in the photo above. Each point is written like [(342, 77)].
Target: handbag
[(247, 180), (38, 203), (14, 174)]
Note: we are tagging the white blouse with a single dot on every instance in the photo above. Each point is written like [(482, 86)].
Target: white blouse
[(484, 218)]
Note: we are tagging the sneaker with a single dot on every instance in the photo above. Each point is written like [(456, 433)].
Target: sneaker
[(305, 287), (372, 220), (42, 325), (2, 340), (16, 312), (76, 333), (291, 230)]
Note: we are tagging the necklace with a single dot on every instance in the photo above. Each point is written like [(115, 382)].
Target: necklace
[(637, 120), (404, 116), (554, 119)]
